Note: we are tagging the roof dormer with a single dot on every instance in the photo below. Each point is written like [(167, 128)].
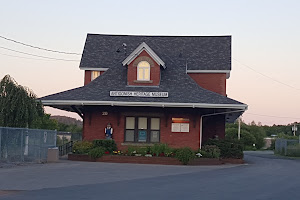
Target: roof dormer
[(143, 66), (143, 47)]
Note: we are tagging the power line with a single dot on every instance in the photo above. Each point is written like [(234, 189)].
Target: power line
[(37, 55), (40, 48), (271, 116), (24, 57), (265, 75)]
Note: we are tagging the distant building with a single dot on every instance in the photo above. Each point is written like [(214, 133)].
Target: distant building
[(153, 89)]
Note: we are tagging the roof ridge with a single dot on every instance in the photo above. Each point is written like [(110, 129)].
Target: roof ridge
[(138, 35)]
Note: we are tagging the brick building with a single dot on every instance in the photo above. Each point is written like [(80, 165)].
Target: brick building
[(153, 89)]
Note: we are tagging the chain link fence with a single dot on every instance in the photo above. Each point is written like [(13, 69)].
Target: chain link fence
[(287, 147), (25, 145), (66, 137)]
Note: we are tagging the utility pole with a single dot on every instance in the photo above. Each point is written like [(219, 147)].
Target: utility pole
[(239, 129), (294, 128)]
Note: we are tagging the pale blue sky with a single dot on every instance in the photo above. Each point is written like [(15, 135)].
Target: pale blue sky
[(265, 36)]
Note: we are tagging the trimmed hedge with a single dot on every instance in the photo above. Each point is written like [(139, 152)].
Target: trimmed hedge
[(228, 148)]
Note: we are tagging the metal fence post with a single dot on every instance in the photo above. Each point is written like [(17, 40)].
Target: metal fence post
[(22, 155), (55, 137)]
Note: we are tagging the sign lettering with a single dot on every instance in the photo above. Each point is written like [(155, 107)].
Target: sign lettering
[(137, 94)]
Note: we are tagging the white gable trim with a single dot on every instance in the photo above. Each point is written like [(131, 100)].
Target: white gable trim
[(150, 104), (138, 50), (94, 69)]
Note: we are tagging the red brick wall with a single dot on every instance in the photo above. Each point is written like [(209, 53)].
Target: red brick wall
[(211, 81), (154, 70), (177, 140), (87, 76), (94, 124)]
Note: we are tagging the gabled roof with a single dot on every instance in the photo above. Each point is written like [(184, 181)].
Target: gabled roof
[(198, 52), (143, 47), (182, 90)]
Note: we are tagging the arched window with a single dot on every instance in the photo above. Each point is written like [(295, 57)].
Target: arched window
[(143, 71)]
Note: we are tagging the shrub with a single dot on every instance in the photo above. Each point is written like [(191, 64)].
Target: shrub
[(210, 151), (142, 150), (184, 155), (132, 150), (109, 145), (293, 150), (82, 147), (97, 152), (247, 139), (162, 149), (228, 148)]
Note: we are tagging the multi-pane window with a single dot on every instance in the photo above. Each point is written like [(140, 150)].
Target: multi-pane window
[(143, 71), (130, 128), (154, 134), (142, 129), (95, 74)]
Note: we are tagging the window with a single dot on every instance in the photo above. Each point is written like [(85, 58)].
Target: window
[(130, 126), (154, 134), (143, 71), (95, 74), (142, 129)]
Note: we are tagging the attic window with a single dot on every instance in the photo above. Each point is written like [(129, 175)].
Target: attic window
[(143, 71)]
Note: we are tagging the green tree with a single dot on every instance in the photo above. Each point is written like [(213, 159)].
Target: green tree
[(259, 133), (44, 122), (18, 105), (247, 139)]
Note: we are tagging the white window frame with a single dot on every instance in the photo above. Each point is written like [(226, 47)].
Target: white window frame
[(143, 69)]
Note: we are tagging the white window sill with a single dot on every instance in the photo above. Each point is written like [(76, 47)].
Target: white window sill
[(141, 81)]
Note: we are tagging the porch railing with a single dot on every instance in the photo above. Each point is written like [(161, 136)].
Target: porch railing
[(65, 148)]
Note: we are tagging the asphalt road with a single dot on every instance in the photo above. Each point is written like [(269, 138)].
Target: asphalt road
[(264, 177)]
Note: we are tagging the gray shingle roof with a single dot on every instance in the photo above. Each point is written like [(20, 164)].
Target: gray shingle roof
[(100, 51), (174, 80), (199, 52)]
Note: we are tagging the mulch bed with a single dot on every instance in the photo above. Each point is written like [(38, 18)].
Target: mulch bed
[(153, 160)]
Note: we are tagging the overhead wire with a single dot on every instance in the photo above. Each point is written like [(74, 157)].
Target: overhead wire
[(24, 57), (40, 48), (51, 58), (72, 53), (266, 75)]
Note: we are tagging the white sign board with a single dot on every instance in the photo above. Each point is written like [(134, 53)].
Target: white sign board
[(181, 127), (185, 127), (137, 94), (175, 127)]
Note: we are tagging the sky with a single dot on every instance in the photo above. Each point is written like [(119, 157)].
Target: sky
[(265, 44)]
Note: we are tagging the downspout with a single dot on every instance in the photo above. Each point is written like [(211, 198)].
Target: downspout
[(212, 114)]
